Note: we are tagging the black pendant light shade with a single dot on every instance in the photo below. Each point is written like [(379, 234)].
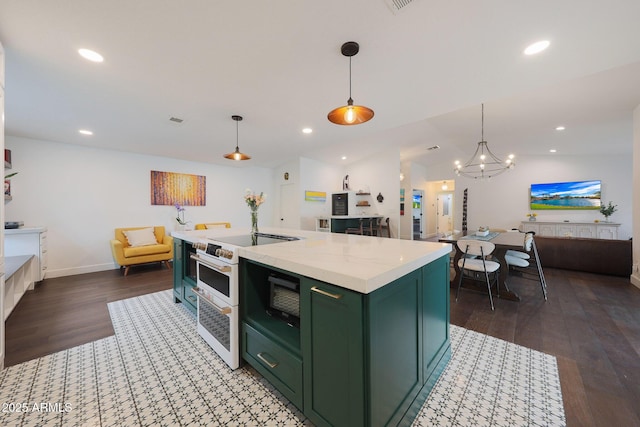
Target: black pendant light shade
[(237, 155), (350, 114)]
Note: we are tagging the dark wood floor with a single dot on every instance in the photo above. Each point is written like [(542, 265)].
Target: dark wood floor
[(69, 311), (591, 323)]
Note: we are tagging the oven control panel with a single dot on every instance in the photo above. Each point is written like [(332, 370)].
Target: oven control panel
[(213, 250)]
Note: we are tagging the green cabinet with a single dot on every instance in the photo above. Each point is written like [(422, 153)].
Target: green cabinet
[(333, 354), (357, 359), (184, 274)]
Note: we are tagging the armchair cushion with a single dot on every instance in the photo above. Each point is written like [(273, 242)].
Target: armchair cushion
[(146, 250), (141, 237)]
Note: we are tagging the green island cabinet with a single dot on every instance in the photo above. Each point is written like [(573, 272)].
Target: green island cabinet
[(356, 359), (184, 274)]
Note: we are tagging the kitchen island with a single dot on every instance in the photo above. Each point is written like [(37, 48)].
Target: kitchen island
[(373, 330)]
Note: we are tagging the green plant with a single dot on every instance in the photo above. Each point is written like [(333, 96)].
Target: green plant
[(10, 175), (608, 210)]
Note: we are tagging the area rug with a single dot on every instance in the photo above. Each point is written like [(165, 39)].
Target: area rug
[(157, 370)]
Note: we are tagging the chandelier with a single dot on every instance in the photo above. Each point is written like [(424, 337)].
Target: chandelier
[(483, 164)]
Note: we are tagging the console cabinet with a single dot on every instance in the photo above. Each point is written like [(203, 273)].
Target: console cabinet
[(28, 241), (586, 230), (356, 359), (184, 275)]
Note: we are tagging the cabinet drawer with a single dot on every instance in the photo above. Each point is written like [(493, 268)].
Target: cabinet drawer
[(274, 362), (189, 296)]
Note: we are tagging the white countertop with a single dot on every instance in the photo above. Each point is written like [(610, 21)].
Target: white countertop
[(23, 230), (358, 263)]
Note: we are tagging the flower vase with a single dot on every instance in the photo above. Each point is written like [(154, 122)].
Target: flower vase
[(254, 221), (532, 218)]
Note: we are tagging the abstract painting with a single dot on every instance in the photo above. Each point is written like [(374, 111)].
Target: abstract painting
[(169, 188)]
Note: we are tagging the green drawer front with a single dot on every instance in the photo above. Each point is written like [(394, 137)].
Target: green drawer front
[(190, 298), (275, 363)]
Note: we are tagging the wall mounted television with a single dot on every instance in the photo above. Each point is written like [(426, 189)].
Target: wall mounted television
[(581, 195)]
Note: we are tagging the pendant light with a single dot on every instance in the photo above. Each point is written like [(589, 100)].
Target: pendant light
[(236, 155), (483, 164), (350, 114)]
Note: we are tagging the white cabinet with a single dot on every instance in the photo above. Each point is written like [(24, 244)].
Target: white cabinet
[(588, 230), (28, 241), (18, 279)]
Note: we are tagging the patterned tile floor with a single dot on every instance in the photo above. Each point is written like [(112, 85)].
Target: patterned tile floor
[(157, 371)]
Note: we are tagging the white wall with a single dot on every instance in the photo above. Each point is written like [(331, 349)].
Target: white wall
[(379, 173), (317, 176), (503, 201), (82, 194)]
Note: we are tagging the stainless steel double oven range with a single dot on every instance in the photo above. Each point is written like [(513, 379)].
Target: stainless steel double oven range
[(218, 290)]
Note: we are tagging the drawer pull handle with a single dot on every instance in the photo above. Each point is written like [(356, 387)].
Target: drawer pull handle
[(203, 297), (192, 298), (325, 293), (223, 269), (269, 364)]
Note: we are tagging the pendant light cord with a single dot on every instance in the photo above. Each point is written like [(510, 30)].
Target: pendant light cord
[(237, 135), (482, 134), (350, 77)]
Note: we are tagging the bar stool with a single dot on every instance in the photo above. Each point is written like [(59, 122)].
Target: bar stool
[(383, 224), (365, 228)]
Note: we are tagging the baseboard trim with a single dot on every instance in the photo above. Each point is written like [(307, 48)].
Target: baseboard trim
[(73, 271), (635, 279)]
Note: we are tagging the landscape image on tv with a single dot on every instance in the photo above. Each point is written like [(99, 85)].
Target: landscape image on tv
[(566, 195)]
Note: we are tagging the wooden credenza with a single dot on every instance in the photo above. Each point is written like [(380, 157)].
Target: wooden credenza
[(587, 230)]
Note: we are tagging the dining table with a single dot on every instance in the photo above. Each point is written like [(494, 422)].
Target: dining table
[(503, 241)]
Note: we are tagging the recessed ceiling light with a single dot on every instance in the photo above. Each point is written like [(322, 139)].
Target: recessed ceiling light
[(90, 55), (85, 132), (344, 157), (553, 150), (560, 128), (307, 130), (536, 47)]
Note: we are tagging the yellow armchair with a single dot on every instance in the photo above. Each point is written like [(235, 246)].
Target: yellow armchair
[(212, 224), (126, 255)]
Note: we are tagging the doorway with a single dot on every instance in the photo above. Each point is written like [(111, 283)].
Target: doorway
[(288, 208), (444, 213), (417, 212)]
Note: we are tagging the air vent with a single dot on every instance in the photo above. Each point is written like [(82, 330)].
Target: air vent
[(435, 147), (397, 5), (175, 120)]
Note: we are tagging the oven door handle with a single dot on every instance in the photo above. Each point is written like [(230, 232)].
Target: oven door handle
[(224, 269), (221, 310)]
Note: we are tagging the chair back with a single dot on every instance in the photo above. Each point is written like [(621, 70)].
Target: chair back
[(209, 225), (528, 242), (476, 247)]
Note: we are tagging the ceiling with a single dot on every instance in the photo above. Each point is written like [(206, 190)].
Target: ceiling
[(424, 70)]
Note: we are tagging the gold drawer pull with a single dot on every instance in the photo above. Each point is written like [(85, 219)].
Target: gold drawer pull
[(325, 293), (270, 364)]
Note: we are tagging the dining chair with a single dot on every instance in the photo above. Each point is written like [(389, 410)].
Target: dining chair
[(517, 262), (478, 268)]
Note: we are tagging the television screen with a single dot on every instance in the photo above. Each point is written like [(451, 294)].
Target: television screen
[(566, 195)]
